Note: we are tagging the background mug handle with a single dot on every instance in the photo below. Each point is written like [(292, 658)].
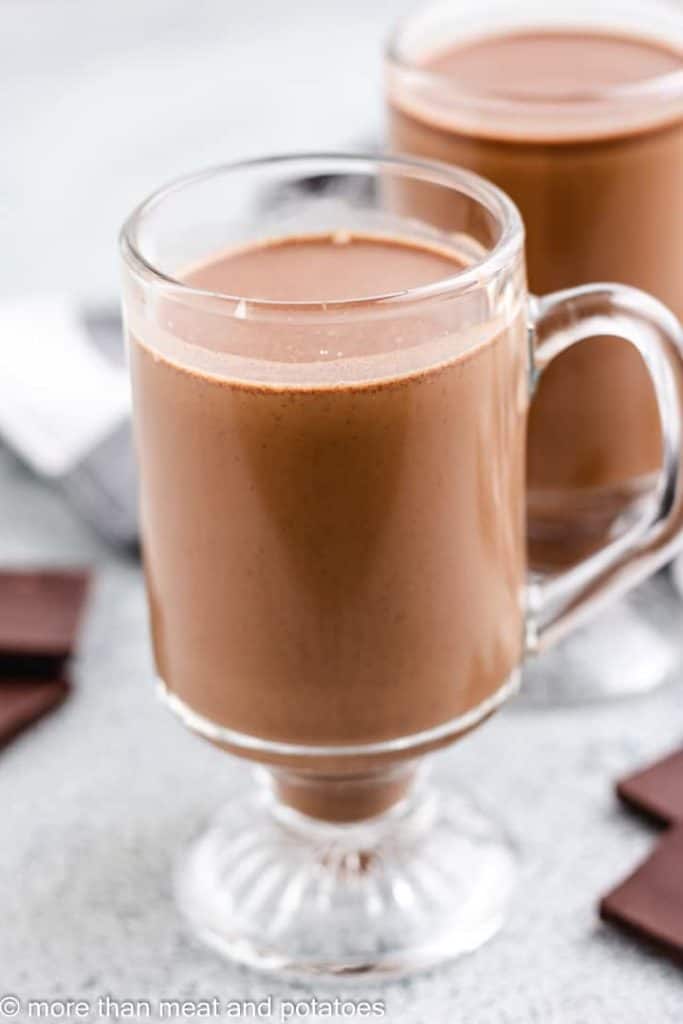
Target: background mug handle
[(559, 603)]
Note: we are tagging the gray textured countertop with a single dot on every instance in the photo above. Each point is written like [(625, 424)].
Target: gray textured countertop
[(103, 102), (99, 799)]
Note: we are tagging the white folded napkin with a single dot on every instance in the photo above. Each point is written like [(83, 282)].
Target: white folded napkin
[(65, 405)]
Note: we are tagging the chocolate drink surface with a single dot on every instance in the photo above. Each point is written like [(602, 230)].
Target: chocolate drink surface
[(601, 200), (333, 560)]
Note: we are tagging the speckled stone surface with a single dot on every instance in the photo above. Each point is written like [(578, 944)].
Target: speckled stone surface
[(98, 800)]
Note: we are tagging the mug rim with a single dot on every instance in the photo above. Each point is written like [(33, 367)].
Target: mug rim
[(667, 86), (475, 275)]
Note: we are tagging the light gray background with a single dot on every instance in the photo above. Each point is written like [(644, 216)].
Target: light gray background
[(100, 102)]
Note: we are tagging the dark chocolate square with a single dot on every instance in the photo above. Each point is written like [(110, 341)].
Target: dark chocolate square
[(24, 701), (657, 790), (649, 904), (39, 616)]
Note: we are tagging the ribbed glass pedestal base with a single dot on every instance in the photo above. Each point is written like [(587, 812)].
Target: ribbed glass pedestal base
[(270, 887)]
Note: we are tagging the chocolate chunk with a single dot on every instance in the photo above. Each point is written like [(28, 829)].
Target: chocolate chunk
[(23, 701), (39, 616), (657, 790), (649, 904)]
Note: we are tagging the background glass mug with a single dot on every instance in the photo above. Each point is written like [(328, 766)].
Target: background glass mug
[(330, 411), (575, 109)]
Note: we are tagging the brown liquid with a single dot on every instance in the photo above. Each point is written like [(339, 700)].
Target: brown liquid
[(334, 563), (602, 200)]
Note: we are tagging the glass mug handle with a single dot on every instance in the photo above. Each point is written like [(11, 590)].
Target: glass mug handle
[(556, 604)]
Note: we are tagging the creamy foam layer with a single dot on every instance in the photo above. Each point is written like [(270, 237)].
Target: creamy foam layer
[(327, 328), (549, 84), (562, 64), (326, 268)]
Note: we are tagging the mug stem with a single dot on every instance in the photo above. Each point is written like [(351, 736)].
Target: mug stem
[(343, 798)]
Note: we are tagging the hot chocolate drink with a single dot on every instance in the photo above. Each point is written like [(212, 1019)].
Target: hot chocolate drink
[(577, 127), (339, 558), (330, 410)]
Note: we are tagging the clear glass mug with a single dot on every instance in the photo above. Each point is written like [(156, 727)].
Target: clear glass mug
[(332, 509), (596, 173)]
